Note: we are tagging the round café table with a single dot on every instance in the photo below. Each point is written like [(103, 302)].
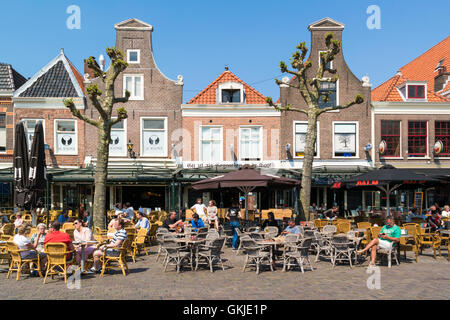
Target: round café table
[(83, 245)]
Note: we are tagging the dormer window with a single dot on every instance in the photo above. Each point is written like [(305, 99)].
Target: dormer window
[(231, 95), (416, 91), (230, 92)]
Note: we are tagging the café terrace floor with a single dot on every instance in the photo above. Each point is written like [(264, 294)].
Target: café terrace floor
[(428, 279)]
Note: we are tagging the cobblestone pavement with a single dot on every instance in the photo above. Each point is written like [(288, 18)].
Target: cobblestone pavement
[(428, 279)]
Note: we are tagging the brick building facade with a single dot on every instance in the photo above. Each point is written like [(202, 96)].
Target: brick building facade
[(342, 134)]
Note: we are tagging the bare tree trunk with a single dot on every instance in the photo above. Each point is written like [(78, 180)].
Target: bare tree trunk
[(311, 135), (101, 173)]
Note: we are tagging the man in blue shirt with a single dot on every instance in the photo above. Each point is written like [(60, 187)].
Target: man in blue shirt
[(291, 228), (142, 222), (63, 217), (197, 222)]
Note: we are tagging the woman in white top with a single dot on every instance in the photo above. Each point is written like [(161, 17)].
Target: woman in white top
[(23, 243), (38, 238), (18, 222), (212, 214), (82, 234)]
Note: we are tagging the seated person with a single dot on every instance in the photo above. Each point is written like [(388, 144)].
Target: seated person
[(142, 221), (63, 217), (23, 243), (171, 222), (38, 238), (82, 234), (291, 228), (331, 214), (196, 222), (389, 236), (18, 222), (55, 235), (129, 210), (446, 212), (4, 218), (212, 214), (434, 219), (112, 248), (270, 222)]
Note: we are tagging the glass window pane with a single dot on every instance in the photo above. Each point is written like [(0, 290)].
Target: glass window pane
[(301, 127), (226, 96), (206, 133), (215, 134), (133, 56), (236, 96), (66, 126), (153, 124), (118, 125), (206, 151), (345, 128), (128, 84), (138, 86)]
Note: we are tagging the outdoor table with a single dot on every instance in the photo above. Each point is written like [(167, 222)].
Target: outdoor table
[(83, 246), (192, 244)]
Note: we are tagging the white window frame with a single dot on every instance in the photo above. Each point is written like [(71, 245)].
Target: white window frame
[(427, 155), (141, 131), (331, 62), (227, 86), (356, 139), (126, 137), (200, 139), (134, 76), (55, 143), (317, 156), (261, 132), (337, 97), (138, 56), (33, 119), (424, 84)]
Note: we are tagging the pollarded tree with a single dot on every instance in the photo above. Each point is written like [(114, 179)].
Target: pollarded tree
[(310, 91), (104, 103)]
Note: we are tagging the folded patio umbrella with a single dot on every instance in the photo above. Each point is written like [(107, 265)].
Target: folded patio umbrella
[(20, 165)]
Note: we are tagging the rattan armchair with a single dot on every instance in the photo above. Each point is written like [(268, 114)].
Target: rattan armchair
[(299, 254), (210, 253), (56, 259), (17, 262), (256, 254), (429, 239), (139, 243), (116, 262)]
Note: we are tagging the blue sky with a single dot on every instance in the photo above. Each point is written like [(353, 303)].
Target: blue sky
[(198, 38)]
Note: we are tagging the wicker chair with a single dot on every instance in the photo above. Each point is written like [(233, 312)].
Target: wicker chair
[(429, 239), (139, 243), (322, 247), (363, 225), (271, 232), (329, 230), (344, 227), (175, 254), (109, 260), (255, 254), (211, 252), (160, 235), (8, 229), (17, 262), (56, 259), (299, 253), (343, 250)]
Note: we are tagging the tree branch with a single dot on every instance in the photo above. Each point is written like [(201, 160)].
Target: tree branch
[(121, 115), (123, 99), (93, 92), (76, 113), (359, 98), (92, 64)]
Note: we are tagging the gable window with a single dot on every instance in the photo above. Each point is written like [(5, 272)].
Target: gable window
[(417, 138), (66, 137), (2, 132), (300, 139), (154, 137), (135, 85), (416, 91), (211, 144), (327, 87), (250, 143), (390, 132), (443, 133), (30, 125), (134, 56), (118, 143), (345, 139), (231, 95)]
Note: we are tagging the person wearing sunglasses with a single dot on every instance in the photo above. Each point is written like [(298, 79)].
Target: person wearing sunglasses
[(82, 234)]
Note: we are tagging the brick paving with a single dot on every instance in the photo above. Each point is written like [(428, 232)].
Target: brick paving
[(428, 279)]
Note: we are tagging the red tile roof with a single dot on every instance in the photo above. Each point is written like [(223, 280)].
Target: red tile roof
[(209, 94), (420, 69), (77, 75)]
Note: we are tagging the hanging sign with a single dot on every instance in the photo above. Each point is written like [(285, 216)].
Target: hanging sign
[(382, 147), (438, 146)]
